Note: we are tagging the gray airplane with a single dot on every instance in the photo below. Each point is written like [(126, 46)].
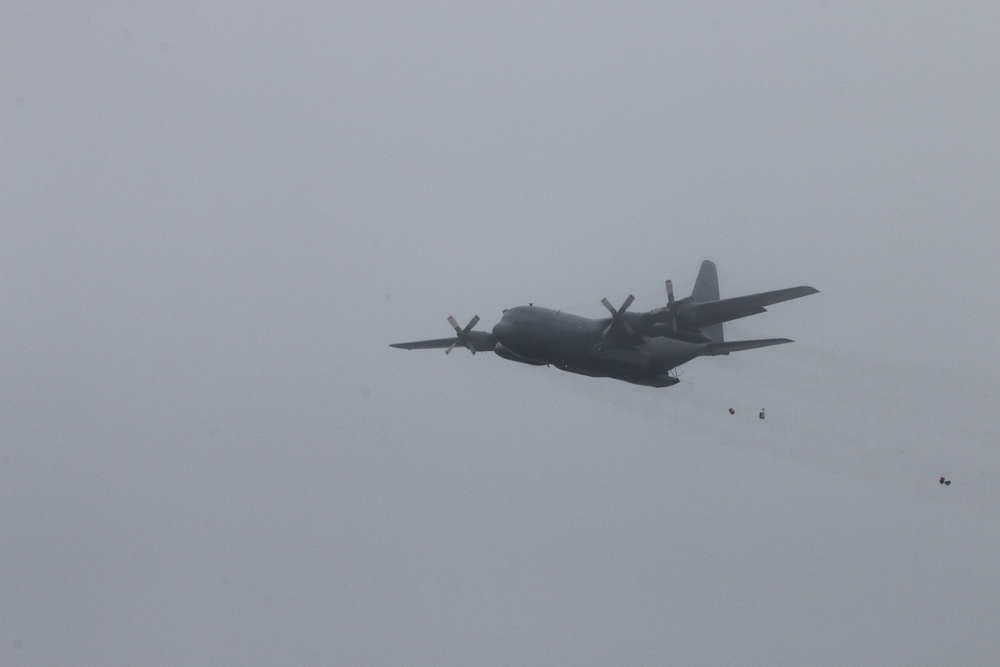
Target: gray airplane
[(641, 348)]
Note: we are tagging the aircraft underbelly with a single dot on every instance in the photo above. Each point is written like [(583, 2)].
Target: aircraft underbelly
[(645, 363), (626, 360)]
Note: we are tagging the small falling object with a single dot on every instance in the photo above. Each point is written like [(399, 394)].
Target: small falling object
[(762, 413), (731, 411), (946, 482)]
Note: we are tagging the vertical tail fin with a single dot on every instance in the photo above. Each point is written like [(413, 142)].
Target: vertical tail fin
[(706, 288)]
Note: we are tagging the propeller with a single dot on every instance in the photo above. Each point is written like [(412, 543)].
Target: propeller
[(617, 316), (671, 305), (462, 335)]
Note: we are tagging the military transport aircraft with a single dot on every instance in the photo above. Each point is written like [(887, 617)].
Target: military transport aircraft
[(641, 348)]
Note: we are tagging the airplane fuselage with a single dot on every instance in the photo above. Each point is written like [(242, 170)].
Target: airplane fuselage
[(541, 336)]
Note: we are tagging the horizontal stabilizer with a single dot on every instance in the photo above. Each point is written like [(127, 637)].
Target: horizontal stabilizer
[(699, 315), (740, 345)]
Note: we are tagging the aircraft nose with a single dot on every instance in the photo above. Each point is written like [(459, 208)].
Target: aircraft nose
[(506, 333)]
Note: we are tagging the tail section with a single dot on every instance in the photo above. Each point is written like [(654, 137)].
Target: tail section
[(706, 288), (706, 311)]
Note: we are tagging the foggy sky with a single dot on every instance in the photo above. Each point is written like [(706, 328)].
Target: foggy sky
[(216, 218)]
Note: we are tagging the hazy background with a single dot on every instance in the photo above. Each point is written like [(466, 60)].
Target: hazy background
[(216, 218)]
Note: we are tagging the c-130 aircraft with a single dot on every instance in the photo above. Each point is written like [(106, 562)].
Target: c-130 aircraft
[(641, 348)]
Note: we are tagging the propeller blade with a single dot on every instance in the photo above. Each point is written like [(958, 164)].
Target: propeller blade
[(671, 305), (621, 314)]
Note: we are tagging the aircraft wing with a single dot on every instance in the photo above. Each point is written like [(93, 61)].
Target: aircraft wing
[(483, 341), (699, 315), (427, 344), (739, 345)]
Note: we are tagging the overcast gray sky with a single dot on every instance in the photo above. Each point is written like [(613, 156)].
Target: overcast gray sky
[(217, 216)]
